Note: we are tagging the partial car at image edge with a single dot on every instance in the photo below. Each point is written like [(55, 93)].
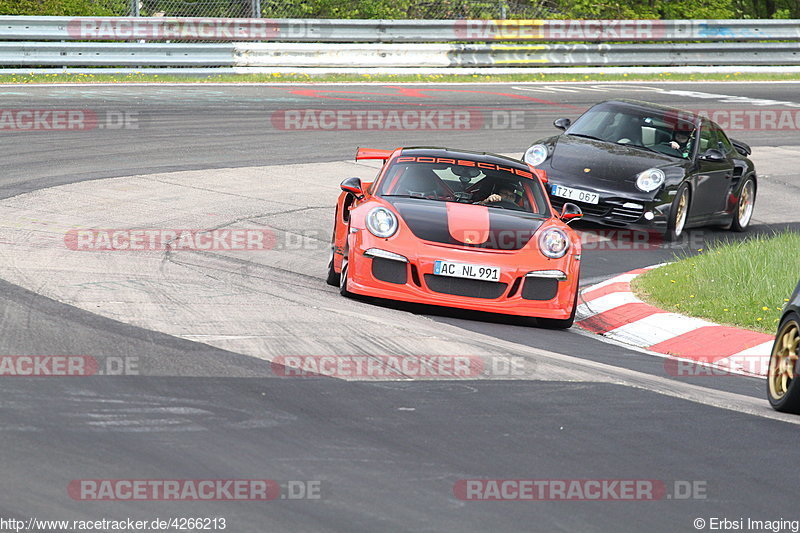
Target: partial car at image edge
[(783, 390)]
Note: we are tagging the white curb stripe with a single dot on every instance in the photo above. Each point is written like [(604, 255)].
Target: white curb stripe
[(621, 278), (606, 303), (763, 350), (656, 328), (755, 365)]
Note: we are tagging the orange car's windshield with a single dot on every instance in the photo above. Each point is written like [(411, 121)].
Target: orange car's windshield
[(491, 185)]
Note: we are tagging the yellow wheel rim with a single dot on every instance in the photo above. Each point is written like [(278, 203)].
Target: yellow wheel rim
[(680, 217), (746, 204), (783, 360)]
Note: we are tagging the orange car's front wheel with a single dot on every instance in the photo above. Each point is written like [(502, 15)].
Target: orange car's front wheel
[(344, 273), (333, 276)]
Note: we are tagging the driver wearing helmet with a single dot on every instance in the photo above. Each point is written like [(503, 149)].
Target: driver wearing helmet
[(679, 140), (503, 192)]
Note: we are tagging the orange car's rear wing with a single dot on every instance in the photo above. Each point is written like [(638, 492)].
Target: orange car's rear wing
[(373, 153)]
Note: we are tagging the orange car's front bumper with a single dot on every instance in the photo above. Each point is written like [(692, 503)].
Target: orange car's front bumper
[(421, 256)]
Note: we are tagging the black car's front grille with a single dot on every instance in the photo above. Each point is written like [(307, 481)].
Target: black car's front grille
[(627, 214), (595, 210), (474, 288), (609, 212)]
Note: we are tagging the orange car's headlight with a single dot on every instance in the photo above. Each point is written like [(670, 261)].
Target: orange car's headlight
[(553, 243), (381, 222)]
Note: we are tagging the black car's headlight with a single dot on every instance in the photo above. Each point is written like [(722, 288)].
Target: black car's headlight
[(381, 222), (650, 180), (535, 155), (553, 243)]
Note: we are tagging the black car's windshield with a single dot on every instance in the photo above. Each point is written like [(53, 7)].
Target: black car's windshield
[(659, 131), (462, 181)]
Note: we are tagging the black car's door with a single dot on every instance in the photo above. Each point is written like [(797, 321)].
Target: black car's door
[(712, 178)]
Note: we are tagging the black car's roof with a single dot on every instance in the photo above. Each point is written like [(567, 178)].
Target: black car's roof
[(486, 157), (639, 104)]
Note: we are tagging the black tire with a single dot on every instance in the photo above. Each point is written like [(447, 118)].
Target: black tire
[(333, 276), (343, 276), (783, 390), (741, 220), (560, 323), (675, 226)]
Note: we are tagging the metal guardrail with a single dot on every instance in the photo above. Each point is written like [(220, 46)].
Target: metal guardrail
[(391, 31), (148, 42), (392, 55), (493, 55), (117, 54)]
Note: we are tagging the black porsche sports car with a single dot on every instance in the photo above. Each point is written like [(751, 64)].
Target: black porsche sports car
[(625, 162), (783, 386)]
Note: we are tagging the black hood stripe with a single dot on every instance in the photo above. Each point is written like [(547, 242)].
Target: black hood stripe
[(427, 220)]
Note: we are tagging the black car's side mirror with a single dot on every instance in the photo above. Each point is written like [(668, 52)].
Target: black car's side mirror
[(714, 155), (562, 123), (570, 212), (353, 186)]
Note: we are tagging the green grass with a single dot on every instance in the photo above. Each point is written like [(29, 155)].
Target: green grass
[(381, 78), (743, 283)]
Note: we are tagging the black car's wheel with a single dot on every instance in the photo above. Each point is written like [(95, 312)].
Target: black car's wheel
[(783, 390), (333, 276), (678, 214), (744, 209), (563, 323)]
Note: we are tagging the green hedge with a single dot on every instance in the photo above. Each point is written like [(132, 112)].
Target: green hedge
[(65, 8), (423, 9)]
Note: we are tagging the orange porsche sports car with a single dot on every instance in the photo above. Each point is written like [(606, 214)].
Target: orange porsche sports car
[(457, 229)]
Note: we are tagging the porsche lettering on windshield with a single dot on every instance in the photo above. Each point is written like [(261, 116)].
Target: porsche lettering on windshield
[(464, 181)]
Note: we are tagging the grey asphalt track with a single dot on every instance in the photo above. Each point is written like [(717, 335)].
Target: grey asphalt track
[(388, 454)]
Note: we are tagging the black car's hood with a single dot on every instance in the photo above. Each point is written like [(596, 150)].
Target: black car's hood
[(466, 224), (606, 162)]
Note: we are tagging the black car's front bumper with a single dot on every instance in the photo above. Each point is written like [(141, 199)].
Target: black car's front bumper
[(619, 212)]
